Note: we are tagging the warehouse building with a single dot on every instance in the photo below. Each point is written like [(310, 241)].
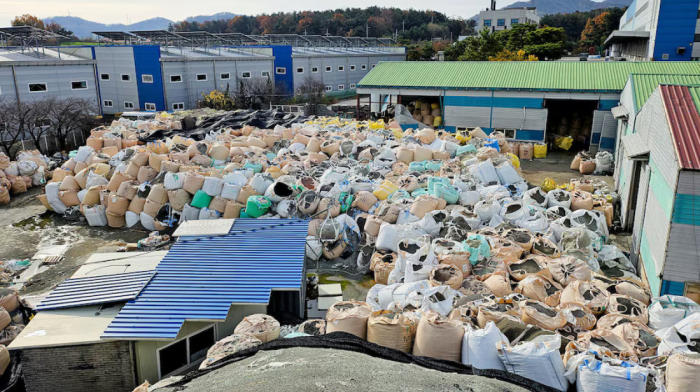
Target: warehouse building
[(534, 101), (162, 70), (667, 30), (30, 72), (657, 166), (149, 315)]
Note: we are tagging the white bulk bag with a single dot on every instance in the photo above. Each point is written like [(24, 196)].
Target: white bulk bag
[(535, 196), (439, 299), (148, 222), (189, 213), (81, 195), (417, 271), (53, 198), (591, 220), (230, 191), (479, 347), (260, 182), (560, 226), (297, 147), (558, 198), (671, 339), (405, 216), (469, 198), (487, 209), (667, 310), (83, 154), (96, 215), (507, 173), (236, 178), (39, 177), (594, 375), (539, 361), (95, 180), (132, 218), (494, 192), (174, 181), (27, 168), (314, 248), (485, 172), (206, 213), (285, 208), (390, 235), (536, 224), (213, 186)]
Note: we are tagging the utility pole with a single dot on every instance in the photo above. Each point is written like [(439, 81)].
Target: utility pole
[(367, 30), (403, 29)]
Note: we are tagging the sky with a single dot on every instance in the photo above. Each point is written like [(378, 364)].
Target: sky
[(132, 11)]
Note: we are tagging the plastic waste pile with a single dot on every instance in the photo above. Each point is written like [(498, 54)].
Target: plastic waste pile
[(16, 177), (600, 165), (14, 315)]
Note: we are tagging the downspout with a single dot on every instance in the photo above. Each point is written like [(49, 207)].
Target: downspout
[(165, 92), (97, 90), (14, 77)]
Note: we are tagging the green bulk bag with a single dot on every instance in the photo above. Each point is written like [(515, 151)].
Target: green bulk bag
[(257, 206), (433, 165), (417, 166), (254, 166), (201, 199)]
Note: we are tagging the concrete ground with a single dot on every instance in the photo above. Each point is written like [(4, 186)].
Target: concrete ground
[(27, 228), (555, 166), (314, 369)]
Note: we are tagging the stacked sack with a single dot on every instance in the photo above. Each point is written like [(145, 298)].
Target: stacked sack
[(17, 177)]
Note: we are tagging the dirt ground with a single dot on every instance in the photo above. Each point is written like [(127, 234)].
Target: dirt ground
[(27, 228), (555, 166)]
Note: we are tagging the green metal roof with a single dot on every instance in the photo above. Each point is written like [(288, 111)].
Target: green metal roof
[(518, 75), (644, 85)]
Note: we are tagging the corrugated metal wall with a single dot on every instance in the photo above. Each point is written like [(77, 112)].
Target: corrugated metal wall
[(608, 133), (335, 77), (642, 195), (683, 253), (115, 61), (58, 79)]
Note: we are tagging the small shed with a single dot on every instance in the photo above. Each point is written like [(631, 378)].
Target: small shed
[(658, 179)]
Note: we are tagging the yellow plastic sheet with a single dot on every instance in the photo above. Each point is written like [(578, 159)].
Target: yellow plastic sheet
[(514, 160), (564, 142)]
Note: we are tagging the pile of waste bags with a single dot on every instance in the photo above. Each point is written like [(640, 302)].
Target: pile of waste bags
[(30, 169), (600, 165)]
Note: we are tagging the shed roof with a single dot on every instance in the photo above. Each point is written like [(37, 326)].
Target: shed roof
[(201, 277), (644, 84), (518, 75), (681, 104)]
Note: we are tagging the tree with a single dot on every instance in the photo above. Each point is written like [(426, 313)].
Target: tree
[(514, 39), (20, 120), (546, 43), (507, 55), (481, 47), (69, 116), (28, 20), (427, 51), (58, 29), (312, 89), (455, 50)]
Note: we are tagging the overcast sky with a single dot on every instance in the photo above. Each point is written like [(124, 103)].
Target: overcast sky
[(131, 11)]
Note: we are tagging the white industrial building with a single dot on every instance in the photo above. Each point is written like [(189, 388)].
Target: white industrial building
[(496, 20)]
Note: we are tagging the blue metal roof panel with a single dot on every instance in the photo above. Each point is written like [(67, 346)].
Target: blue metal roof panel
[(91, 290), (201, 277)]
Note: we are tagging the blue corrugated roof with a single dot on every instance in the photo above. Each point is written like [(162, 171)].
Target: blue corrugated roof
[(200, 278), (92, 290)]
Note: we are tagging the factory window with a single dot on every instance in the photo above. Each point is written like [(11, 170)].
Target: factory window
[(300, 70), (352, 85), (104, 77), (341, 68), (126, 78), (107, 104), (487, 22), (265, 74), (374, 65), (177, 355), (281, 71), (175, 78), (201, 77), (364, 67), (245, 75), (147, 78), (514, 21), (128, 105), (178, 106), (225, 76), (352, 67), (341, 87), (697, 38), (150, 107), (329, 69), (314, 69), (79, 85), (38, 87), (329, 88), (501, 22)]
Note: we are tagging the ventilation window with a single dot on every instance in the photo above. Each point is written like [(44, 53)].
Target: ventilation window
[(329, 88), (245, 75), (300, 70), (38, 87), (175, 78), (147, 78), (341, 68), (80, 85), (314, 70), (281, 71), (341, 87), (225, 76), (352, 67), (128, 105), (108, 104), (150, 107), (178, 106), (329, 69), (352, 85), (364, 67), (126, 78), (201, 77), (104, 77)]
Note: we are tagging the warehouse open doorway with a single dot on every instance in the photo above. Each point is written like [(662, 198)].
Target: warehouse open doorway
[(570, 117)]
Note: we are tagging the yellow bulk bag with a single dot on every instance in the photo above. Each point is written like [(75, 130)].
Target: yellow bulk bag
[(385, 189), (514, 160), (437, 121), (540, 151), (434, 106)]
